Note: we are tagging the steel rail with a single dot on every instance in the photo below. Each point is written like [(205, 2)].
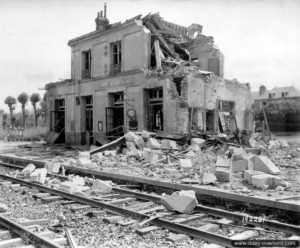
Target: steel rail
[(191, 231), (274, 225), (23, 232), (228, 196)]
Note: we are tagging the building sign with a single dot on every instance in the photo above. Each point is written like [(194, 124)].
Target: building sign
[(118, 82)]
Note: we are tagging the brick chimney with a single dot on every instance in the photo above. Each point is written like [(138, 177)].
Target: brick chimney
[(262, 90), (101, 20)]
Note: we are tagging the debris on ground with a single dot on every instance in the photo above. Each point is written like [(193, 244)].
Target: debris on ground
[(3, 208), (183, 201), (213, 160)]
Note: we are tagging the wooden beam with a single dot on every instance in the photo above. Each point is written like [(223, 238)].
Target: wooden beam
[(163, 42)]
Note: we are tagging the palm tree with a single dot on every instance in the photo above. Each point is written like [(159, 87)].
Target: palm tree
[(11, 102), (35, 98), (23, 99)]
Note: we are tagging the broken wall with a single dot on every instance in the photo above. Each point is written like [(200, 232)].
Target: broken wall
[(208, 57)]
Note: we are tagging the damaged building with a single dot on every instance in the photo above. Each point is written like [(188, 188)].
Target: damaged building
[(144, 73)]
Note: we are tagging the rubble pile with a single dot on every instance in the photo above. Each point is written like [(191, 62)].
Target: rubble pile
[(210, 160)]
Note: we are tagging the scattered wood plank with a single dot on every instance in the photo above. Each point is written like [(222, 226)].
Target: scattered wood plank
[(113, 219), (52, 198), (108, 145), (11, 242), (152, 209), (71, 239), (178, 238), (40, 195), (116, 202), (140, 206), (33, 222), (79, 208), (145, 230)]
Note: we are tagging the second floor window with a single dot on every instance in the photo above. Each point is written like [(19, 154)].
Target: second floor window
[(86, 64), (271, 95), (116, 57)]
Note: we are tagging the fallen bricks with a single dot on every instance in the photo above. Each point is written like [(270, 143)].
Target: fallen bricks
[(142, 149), (101, 186), (181, 201), (28, 169), (265, 181), (39, 175), (3, 208)]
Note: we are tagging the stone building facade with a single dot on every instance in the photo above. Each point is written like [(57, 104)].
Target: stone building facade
[(144, 73)]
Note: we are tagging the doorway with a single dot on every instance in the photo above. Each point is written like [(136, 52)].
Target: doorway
[(115, 113), (155, 110)]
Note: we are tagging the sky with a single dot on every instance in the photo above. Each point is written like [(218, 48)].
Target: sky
[(260, 39)]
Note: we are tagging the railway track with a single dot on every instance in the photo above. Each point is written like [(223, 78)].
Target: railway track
[(282, 208), (13, 235), (145, 211)]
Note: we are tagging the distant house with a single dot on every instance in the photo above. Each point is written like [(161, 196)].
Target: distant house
[(282, 106)]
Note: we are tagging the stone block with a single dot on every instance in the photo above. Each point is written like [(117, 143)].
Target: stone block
[(208, 178), (145, 134), (102, 186), (82, 194), (244, 235), (124, 151), (130, 136), (133, 154), (28, 169), (68, 186), (139, 142), (3, 208), (112, 153), (186, 164), (39, 175), (77, 180), (199, 142), (222, 174), (223, 162), (84, 159), (169, 143), (153, 143), (190, 154), (263, 180), (152, 156), (131, 145), (180, 201), (171, 171), (52, 167), (194, 148), (248, 174), (238, 153), (239, 165), (263, 163), (250, 159), (210, 227)]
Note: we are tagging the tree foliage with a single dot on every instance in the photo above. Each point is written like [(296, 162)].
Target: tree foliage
[(11, 102), (23, 99), (35, 98)]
